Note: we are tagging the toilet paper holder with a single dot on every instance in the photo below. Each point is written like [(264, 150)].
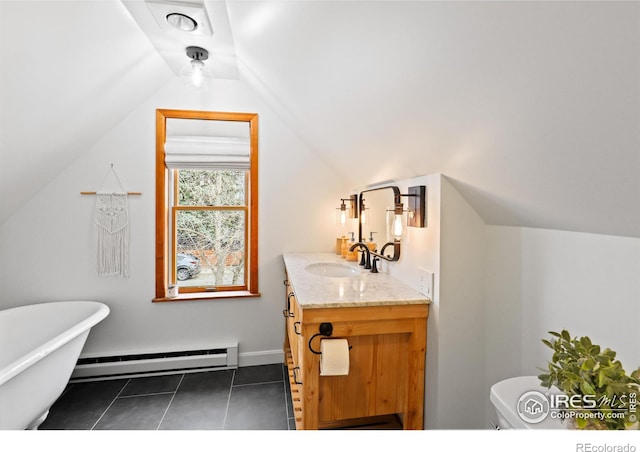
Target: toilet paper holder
[(326, 329)]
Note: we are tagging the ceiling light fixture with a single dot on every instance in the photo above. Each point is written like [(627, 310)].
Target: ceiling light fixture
[(181, 22), (194, 74)]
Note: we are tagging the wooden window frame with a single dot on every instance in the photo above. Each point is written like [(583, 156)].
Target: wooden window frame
[(163, 211)]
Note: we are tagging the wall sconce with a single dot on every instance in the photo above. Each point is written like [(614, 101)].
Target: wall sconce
[(416, 211), (417, 217), (194, 74), (345, 212)]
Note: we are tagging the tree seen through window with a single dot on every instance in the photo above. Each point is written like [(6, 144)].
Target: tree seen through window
[(211, 210)]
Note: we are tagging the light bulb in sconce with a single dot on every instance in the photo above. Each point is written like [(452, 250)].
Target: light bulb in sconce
[(344, 212), (363, 213), (397, 222), (343, 217)]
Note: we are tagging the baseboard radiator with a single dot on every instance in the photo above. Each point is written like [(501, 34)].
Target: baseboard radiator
[(90, 368)]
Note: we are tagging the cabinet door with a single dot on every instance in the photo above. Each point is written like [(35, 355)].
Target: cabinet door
[(293, 325), (300, 365), (300, 346)]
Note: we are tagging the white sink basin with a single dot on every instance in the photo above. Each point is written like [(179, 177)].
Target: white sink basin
[(332, 269)]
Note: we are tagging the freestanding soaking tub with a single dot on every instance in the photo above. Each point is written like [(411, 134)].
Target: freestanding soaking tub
[(39, 347)]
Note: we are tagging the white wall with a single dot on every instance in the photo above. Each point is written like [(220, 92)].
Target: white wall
[(503, 311), (461, 365), (47, 249), (540, 280)]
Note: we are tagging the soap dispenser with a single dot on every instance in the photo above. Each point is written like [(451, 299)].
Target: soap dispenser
[(343, 248), (371, 244), (340, 244), (351, 256)]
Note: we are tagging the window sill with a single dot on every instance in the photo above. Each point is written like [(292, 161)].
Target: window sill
[(207, 296)]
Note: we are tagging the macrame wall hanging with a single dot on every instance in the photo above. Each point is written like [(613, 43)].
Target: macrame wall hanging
[(112, 229)]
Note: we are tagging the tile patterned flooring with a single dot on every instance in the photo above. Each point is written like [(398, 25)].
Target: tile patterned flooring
[(248, 398)]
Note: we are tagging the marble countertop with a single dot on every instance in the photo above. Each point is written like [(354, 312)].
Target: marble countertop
[(361, 289)]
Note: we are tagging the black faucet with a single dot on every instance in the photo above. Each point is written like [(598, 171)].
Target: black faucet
[(365, 250)]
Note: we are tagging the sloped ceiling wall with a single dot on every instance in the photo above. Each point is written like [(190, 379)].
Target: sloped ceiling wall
[(70, 71), (532, 109)]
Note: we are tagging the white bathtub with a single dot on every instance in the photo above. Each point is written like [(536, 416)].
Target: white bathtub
[(39, 347)]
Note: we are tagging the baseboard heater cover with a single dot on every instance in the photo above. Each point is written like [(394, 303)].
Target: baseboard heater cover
[(144, 364)]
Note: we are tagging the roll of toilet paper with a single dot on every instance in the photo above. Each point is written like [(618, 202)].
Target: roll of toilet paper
[(334, 357)]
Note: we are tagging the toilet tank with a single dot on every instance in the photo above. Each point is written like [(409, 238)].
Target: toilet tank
[(506, 395)]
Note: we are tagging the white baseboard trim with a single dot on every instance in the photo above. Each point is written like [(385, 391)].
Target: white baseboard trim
[(259, 358)]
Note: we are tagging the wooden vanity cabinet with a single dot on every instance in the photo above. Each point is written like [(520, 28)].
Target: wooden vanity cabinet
[(385, 384)]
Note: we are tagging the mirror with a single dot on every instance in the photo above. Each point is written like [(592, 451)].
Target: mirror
[(381, 219), (374, 205)]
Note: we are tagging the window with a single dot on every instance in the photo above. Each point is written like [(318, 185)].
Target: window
[(206, 204)]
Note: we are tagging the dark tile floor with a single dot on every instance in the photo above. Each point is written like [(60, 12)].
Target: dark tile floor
[(249, 398)]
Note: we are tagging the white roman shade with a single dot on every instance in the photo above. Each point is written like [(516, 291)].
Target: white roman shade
[(207, 152)]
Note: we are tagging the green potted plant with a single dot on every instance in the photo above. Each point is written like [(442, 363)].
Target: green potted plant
[(599, 393)]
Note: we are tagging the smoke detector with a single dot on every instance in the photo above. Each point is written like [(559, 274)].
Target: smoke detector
[(181, 17), (182, 22)]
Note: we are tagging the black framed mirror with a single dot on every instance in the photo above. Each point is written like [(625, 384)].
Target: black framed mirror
[(376, 208)]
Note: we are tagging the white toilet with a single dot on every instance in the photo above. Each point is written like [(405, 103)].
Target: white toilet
[(521, 403)]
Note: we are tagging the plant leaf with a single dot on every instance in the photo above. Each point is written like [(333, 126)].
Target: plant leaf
[(588, 364), (602, 378), (585, 342), (586, 388), (547, 343)]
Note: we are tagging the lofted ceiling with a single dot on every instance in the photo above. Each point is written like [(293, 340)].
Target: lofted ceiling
[(532, 109)]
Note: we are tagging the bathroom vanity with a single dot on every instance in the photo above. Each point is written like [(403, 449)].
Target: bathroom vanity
[(385, 324)]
